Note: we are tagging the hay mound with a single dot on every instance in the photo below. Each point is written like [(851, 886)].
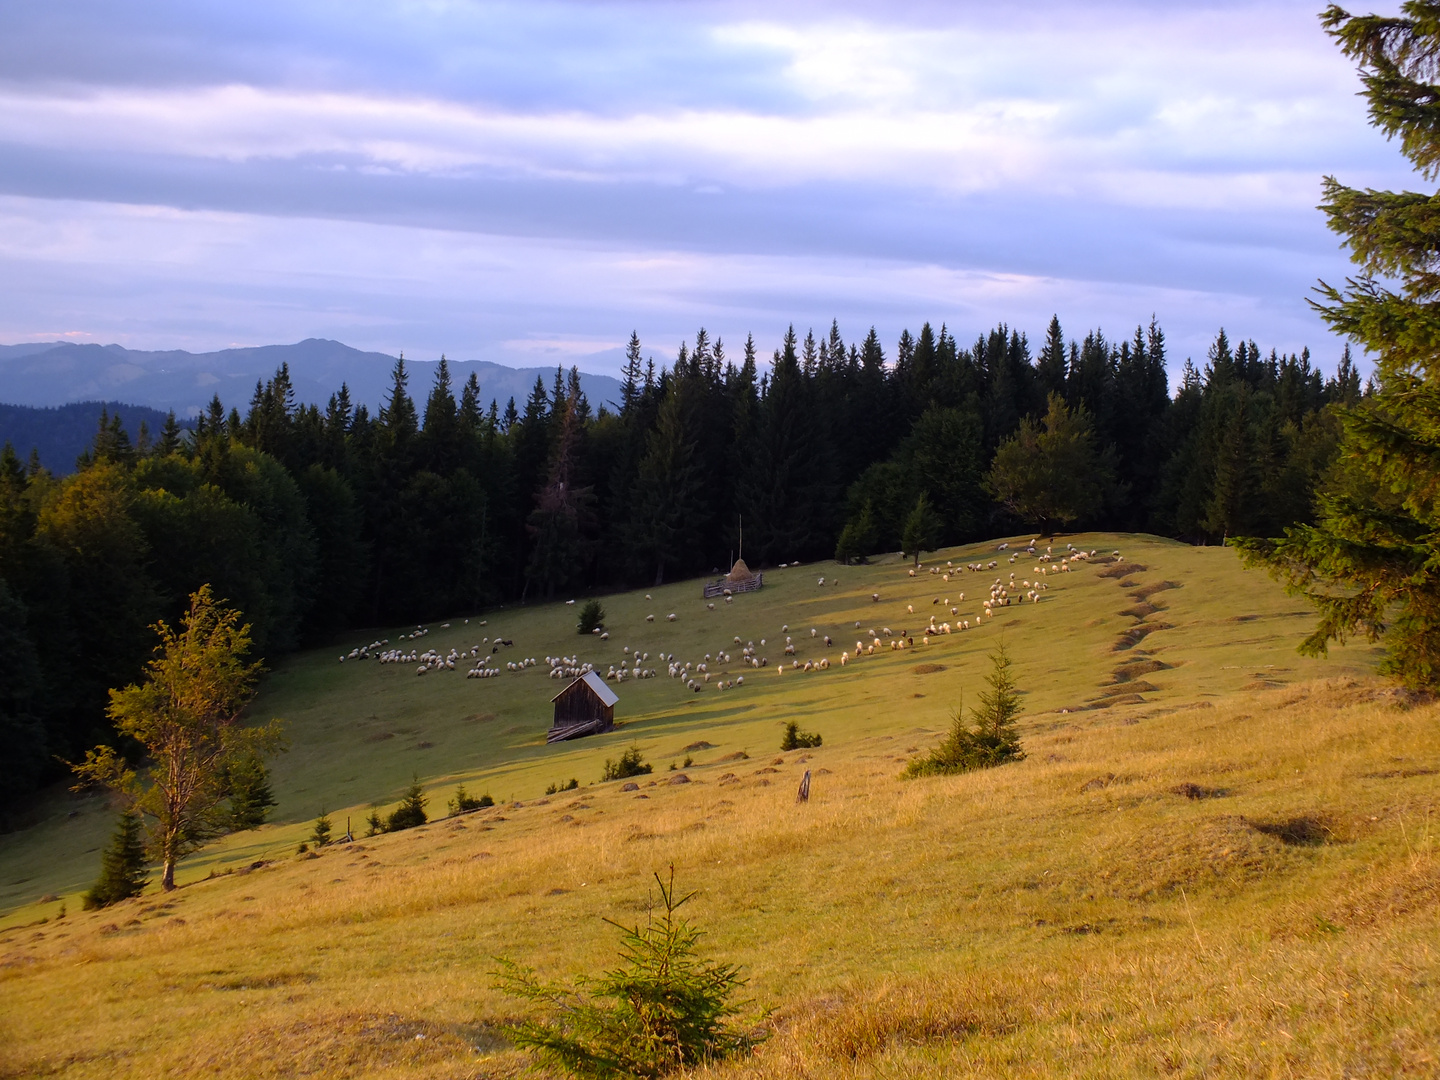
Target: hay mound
[(740, 572)]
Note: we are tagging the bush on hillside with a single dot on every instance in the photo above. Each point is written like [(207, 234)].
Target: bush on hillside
[(122, 866), (410, 812), (592, 617), (569, 785), (463, 802), (795, 739), (630, 764), (374, 824), (663, 1008), (993, 740)]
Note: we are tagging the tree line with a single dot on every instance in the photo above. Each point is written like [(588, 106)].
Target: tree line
[(313, 519)]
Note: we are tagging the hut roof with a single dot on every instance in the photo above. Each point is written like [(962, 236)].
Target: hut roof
[(739, 572), (597, 684)]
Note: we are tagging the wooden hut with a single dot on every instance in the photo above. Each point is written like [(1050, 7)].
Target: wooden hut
[(585, 707)]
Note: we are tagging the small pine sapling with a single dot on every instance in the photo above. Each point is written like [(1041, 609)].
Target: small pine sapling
[(630, 764), (320, 835), (251, 799), (463, 802), (122, 866), (411, 811), (374, 826), (663, 1008), (795, 739), (993, 740), (592, 618)]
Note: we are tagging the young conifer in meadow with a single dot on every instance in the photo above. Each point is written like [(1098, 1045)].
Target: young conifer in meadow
[(122, 866), (663, 1008), (989, 739)]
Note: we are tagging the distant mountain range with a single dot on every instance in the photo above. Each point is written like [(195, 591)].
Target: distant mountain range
[(60, 373)]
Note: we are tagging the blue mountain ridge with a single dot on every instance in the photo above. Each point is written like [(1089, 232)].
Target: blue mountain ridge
[(59, 373)]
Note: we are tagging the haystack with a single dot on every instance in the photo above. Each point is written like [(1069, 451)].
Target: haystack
[(739, 572)]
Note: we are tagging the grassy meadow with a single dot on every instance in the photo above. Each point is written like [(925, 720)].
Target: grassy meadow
[(1217, 859)]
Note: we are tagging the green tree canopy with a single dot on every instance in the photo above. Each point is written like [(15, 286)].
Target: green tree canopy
[(186, 714), (1057, 475), (1371, 559)]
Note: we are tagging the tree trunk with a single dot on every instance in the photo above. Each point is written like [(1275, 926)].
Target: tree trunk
[(167, 879), (659, 572)]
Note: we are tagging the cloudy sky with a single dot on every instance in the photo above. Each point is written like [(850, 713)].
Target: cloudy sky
[(530, 182)]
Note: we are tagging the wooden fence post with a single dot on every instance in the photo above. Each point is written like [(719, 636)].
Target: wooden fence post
[(803, 795)]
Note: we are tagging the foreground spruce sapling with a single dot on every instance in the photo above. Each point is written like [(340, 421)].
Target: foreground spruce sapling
[(663, 1008)]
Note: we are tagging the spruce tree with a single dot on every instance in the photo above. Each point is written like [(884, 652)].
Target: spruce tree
[(122, 866), (1371, 562)]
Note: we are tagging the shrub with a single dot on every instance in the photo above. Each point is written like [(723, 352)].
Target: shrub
[(630, 764), (463, 802), (795, 739), (592, 617), (992, 741), (569, 785), (320, 836), (373, 825), (410, 812), (122, 866), (661, 1009)]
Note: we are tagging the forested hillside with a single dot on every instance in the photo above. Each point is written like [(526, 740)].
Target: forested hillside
[(62, 433), (314, 518)]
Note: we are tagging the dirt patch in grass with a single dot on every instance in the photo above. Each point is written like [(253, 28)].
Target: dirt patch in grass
[(926, 669), (1140, 611), (1136, 634), (380, 736), (1137, 687), (1135, 668), (1123, 569), (1304, 830), (1145, 592), (1198, 791), (701, 745)]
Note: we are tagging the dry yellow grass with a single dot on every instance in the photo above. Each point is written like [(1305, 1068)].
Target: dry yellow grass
[(1077, 914)]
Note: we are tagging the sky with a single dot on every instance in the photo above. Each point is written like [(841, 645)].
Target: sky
[(528, 183)]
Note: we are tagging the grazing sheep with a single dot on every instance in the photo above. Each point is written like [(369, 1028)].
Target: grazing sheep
[(649, 618), (671, 617), (710, 606), (875, 596)]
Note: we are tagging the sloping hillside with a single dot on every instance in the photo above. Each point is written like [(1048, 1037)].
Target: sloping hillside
[(360, 730), (1221, 865)]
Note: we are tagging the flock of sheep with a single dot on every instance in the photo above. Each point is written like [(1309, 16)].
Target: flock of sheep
[(696, 674)]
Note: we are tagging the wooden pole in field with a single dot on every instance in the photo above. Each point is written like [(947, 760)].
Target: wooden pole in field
[(803, 795)]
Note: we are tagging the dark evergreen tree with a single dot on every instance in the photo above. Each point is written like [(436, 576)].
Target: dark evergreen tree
[(1370, 560), (122, 865)]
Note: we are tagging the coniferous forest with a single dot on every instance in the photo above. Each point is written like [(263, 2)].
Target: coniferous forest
[(314, 519)]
